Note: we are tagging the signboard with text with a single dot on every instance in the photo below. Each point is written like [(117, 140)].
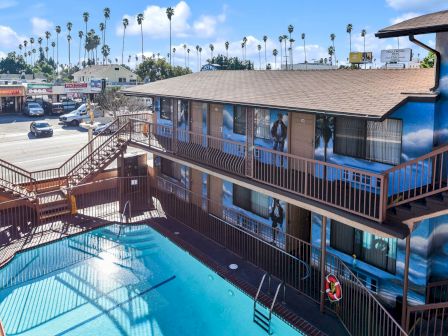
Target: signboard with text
[(361, 57), (396, 55), (95, 85), (40, 89), (12, 91), (75, 87)]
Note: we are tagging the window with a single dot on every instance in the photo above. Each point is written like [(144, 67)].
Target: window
[(378, 141), (350, 137), (250, 200), (376, 251), (166, 108), (121, 80), (384, 141), (239, 120), (170, 169), (262, 123)]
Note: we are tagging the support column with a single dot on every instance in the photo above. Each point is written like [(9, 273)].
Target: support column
[(174, 111), (323, 247), (249, 141), (404, 308)]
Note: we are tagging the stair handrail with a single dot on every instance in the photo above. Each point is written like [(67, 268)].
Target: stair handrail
[(108, 140), (260, 286), (280, 285), (29, 180)]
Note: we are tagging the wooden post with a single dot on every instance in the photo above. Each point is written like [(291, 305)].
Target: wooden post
[(404, 308), (323, 250)]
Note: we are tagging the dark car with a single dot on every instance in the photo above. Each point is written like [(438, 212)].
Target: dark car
[(53, 108), (41, 128)]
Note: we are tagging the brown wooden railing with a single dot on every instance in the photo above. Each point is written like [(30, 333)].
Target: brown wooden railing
[(437, 292), (353, 190), (16, 179), (424, 176), (428, 320)]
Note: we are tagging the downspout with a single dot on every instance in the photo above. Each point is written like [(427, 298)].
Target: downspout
[(438, 59)]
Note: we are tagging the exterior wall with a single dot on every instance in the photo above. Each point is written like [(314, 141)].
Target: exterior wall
[(442, 104)]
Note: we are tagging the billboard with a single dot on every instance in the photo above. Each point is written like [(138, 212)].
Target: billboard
[(40, 89), (95, 85), (75, 87), (396, 55), (361, 57)]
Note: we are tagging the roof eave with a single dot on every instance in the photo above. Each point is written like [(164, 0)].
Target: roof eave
[(385, 33)]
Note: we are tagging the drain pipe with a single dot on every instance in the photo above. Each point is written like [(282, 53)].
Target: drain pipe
[(438, 59)]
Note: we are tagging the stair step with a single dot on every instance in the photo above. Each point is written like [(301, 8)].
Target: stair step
[(54, 214), (262, 326), (260, 314)]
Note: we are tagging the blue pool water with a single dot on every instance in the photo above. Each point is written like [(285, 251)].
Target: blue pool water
[(137, 284)]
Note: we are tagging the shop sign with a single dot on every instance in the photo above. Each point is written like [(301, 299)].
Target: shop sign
[(95, 85), (396, 55), (11, 91), (361, 57), (40, 88), (75, 87)]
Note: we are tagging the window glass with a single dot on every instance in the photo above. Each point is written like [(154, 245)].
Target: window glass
[(384, 141), (170, 169), (239, 120), (250, 200), (350, 137), (262, 123), (166, 108)]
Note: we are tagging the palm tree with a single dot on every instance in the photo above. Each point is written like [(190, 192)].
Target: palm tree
[(290, 31), (80, 35), (280, 39), (69, 38), (304, 48), (285, 38), (332, 38), (140, 19), (363, 35), (259, 55), (200, 55), (188, 58), (245, 46), (169, 14), (265, 39), (174, 54), (349, 32), (197, 55), (31, 47), (25, 43), (34, 52), (212, 47), (242, 49), (275, 53), (58, 31), (39, 41), (102, 27), (53, 45), (125, 24), (226, 45), (106, 12), (105, 51), (185, 54), (85, 17), (331, 53), (291, 51), (47, 36), (20, 49)]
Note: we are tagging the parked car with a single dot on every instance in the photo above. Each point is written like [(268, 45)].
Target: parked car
[(78, 116), (53, 108), (69, 104), (41, 128), (103, 129), (33, 109)]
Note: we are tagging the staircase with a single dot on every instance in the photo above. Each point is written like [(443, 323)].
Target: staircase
[(262, 316), (90, 160)]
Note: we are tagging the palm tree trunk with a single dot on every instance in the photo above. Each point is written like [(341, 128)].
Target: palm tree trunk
[(57, 53), (350, 34), (286, 57), (85, 49), (281, 55), (304, 51), (79, 53), (122, 50), (170, 45), (69, 62), (265, 57), (141, 31)]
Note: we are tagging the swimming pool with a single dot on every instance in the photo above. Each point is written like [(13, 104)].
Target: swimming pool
[(139, 283)]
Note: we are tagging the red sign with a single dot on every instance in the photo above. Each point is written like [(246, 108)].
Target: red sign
[(76, 86), (11, 92)]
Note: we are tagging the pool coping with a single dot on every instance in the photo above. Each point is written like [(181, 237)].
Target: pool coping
[(280, 311)]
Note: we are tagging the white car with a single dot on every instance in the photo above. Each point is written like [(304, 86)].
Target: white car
[(33, 109), (78, 116)]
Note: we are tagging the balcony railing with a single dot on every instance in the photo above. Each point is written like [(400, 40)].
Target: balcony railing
[(353, 190)]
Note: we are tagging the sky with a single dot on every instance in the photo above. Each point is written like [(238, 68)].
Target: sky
[(203, 23)]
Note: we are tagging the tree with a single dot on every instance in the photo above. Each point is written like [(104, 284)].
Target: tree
[(233, 63), (188, 58), (80, 35), (140, 19), (185, 54), (285, 38), (280, 39), (14, 65), (69, 38), (197, 56), (363, 35), (174, 54), (331, 53), (169, 14), (106, 13), (291, 51), (53, 45), (259, 55), (116, 102), (245, 46), (58, 31), (428, 61), (102, 27), (290, 31), (332, 38), (275, 53), (349, 29), (125, 24), (85, 17), (212, 47), (304, 48), (226, 45), (47, 36), (200, 55), (265, 39), (156, 69)]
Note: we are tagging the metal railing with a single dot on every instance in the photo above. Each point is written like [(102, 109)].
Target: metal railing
[(16, 179), (428, 320), (424, 176), (437, 292)]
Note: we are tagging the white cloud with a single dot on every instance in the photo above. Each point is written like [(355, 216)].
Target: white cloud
[(4, 4), (429, 5), (156, 23), (9, 38), (39, 26), (404, 17)]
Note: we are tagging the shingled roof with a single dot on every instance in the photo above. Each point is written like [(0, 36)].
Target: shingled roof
[(367, 93), (425, 24)]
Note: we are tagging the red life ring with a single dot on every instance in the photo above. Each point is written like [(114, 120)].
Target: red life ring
[(333, 288)]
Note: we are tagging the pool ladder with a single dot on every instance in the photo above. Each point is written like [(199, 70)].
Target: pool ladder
[(260, 317)]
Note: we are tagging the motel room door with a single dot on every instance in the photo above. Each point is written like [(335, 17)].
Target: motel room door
[(215, 120), (301, 135), (196, 117)]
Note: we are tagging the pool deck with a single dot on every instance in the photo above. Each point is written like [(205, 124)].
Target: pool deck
[(299, 311)]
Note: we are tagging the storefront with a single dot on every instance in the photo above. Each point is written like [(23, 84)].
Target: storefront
[(12, 98)]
